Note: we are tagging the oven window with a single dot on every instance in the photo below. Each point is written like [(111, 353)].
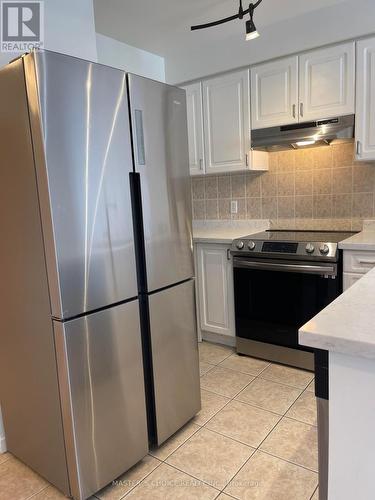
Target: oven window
[(271, 306)]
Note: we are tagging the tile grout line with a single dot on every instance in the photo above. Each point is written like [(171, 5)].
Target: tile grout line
[(179, 446), (139, 482), (316, 489)]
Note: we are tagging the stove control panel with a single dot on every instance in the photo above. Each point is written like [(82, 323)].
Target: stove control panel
[(301, 250)]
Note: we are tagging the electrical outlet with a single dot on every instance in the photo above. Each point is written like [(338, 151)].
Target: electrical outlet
[(234, 207)]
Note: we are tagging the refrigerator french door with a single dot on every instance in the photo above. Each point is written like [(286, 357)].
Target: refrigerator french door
[(166, 276), (76, 339)]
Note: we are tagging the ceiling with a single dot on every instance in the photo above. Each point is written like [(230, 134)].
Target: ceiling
[(163, 26)]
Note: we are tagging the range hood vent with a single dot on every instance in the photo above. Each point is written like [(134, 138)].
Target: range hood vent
[(303, 135)]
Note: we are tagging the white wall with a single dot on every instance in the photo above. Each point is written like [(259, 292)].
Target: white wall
[(349, 19), (69, 28), (123, 56)]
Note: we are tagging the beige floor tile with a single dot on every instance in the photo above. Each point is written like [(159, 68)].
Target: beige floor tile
[(287, 375), (4, 457), (18, 481), (211, 404), (294, 441), (244, 423), (224, 496), (129, 480), (245, 364), (210, 457), (175, 441), (269, 478), (225, 382), (167, 483), (269, 395), (316, 495), (204, 368), (51, 493), (311, 386), (304, 409), (213, 353)]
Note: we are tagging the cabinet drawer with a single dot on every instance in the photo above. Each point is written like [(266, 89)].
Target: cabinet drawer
[(358, 262), (350, 279)]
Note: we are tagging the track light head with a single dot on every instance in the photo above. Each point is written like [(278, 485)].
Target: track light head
[(251, 31)]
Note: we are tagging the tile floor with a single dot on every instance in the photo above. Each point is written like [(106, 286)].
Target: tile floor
[(255, 438)]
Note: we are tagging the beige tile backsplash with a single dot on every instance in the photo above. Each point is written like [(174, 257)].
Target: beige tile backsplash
[(319, 188)]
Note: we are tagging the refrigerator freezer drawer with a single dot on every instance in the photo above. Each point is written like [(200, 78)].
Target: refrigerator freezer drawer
[(103, 399), (175, 358)]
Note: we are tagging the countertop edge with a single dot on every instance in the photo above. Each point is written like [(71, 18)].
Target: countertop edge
[(326, 342)]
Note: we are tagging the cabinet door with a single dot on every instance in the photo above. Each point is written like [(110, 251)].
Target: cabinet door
[(365, 112), (274, 93), (215, 288), (350, 279), (195, 128), (327, 82), (226, 106)]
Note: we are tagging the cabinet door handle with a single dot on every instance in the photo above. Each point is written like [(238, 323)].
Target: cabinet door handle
[(201, 164), (294, 110), (247, 159), (368, 262), (301, 109), (228, 254), (358, 148)]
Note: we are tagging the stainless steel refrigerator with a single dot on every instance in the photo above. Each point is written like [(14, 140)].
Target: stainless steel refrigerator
[(98, 344)]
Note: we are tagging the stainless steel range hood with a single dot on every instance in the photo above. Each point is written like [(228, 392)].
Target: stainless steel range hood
[(303, 135)]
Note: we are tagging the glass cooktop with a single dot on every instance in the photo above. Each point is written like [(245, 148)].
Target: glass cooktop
[(302, 236)]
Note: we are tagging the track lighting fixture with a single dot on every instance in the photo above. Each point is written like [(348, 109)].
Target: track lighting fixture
[(251, 31)]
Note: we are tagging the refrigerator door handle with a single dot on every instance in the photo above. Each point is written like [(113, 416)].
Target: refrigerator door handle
[(140, 138)]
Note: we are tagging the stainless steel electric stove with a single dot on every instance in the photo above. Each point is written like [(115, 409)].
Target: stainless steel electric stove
[(282, 279)]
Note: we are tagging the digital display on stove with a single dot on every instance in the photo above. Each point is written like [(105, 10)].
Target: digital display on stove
[(279, 247)]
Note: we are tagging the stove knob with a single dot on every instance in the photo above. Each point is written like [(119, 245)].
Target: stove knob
[(251, 245), (324, 249), (240, 245), (310, 248)]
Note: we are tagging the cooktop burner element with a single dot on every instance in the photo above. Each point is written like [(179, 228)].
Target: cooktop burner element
[(306, 245)]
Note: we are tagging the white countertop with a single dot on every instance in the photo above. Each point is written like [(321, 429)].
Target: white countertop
[(347, 325), (361, 241), (225, 231)]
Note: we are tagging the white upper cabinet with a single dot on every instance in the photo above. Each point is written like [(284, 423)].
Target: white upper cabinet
[(327, 82), (365, 115), (274, 93), (226, 110), (195, 128), (314, 85)]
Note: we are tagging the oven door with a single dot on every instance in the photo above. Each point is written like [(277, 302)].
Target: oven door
[(274, 298)]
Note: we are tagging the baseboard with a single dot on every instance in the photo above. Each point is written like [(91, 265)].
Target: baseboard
[(3, 445), (217, 338)]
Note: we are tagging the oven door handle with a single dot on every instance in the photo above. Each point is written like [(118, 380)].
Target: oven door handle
[(325, 270)]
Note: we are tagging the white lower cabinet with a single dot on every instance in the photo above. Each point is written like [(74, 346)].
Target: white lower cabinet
[(356, 264), (350, 279), (215, 289)]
